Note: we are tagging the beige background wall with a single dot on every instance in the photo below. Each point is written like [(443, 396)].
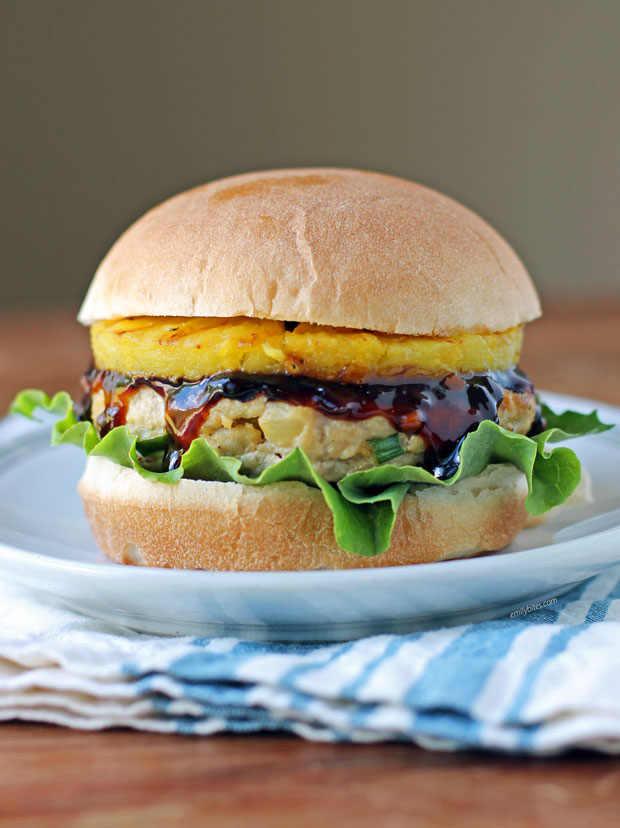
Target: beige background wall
[(108, 107)]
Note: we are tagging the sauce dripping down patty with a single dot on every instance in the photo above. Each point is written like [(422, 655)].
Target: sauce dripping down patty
[(441, 410)]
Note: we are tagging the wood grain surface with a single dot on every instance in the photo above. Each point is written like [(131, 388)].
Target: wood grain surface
[(51, 776)]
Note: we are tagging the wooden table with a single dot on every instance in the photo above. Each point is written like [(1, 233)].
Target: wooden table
[(60, 777)]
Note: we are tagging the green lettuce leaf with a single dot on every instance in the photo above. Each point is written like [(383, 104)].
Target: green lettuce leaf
[(364, 504), (572, 423)]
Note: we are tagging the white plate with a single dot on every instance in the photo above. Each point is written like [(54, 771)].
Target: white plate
[(46, 545)]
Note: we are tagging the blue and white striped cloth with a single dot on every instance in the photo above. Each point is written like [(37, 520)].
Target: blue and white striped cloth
[(543, 681)]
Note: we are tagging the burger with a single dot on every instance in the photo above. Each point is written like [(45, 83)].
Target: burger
[(310, 368)]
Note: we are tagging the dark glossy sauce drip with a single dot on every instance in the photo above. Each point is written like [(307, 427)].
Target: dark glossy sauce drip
[(442, 410)]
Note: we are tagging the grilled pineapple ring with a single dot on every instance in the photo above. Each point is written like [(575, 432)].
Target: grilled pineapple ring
[(191, 348)]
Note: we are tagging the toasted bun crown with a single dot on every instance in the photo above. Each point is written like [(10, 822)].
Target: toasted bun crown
[(327, 246)]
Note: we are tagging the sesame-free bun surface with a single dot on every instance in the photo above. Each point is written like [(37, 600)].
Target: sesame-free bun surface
[(196, 524), (326, 246)]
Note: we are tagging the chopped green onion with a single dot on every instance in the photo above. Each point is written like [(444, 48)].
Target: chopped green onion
[(387, 448)]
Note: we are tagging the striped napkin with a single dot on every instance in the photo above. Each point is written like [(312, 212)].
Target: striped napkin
[(544, 680)]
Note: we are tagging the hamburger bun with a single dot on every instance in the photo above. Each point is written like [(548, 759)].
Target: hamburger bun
[(333, 247), (198, 524)]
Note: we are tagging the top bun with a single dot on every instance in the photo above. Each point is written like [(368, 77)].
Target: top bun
[(327, 246)]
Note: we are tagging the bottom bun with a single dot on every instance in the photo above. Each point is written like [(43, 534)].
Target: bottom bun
[(197, 524)]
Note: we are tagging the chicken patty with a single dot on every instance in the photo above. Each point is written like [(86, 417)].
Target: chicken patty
[(260, 432)]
